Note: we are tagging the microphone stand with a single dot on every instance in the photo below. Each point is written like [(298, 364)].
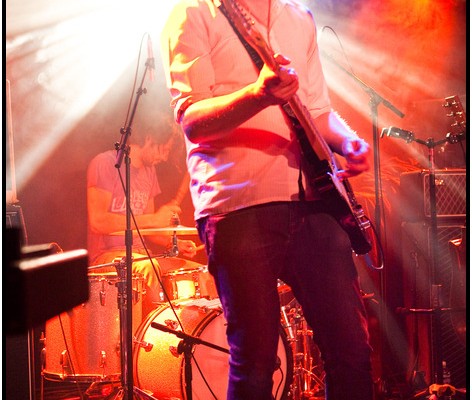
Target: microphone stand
[(186, 346), (436, 308), (375, 100), (125, 273)]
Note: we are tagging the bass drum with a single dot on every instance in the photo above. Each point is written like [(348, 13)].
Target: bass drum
[(160, 370)]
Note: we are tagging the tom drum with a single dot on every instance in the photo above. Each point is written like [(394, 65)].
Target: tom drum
[(83, 344), (189, 283)]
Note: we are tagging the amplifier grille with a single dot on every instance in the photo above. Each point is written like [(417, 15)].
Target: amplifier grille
[(450, 194), (418, 278)]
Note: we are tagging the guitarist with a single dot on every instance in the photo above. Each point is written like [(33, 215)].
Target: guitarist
[(257, 213)]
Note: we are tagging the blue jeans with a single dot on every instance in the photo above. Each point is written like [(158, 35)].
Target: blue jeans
[(297, 242)]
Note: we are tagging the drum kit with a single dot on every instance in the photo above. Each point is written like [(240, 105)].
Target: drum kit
[(179, 349)]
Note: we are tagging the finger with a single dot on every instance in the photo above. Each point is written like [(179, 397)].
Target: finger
[(281, 59), (353, 169), (347, 173), (354, 147)]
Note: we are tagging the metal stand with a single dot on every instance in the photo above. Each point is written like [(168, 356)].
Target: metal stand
[(125, 273), (308, 375), (185, 346), (436, 308), (374, 101)]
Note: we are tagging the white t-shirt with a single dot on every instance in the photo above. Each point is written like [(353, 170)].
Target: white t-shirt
[(258, 162)]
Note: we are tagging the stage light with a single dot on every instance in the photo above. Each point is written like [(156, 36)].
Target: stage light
[(61, 60)]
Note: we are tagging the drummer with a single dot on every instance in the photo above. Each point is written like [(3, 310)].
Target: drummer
[(106, 204)]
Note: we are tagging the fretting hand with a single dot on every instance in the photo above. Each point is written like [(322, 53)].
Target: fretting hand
[(277, 88)]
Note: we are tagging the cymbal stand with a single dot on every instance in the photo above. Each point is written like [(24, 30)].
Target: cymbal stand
[(436, 308), (306, 383), (185, 346), (125, 287)]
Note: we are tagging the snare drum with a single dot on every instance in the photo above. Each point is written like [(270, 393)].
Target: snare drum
[(83, 344), (160, 370), (189, 283)]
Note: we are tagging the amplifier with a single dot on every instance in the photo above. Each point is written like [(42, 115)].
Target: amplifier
[(415, 192), (418, 280)]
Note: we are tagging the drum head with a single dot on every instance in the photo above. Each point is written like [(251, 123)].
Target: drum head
[(161, 370)]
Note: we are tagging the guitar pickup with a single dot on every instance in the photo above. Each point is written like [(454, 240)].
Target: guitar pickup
[(323, 183)]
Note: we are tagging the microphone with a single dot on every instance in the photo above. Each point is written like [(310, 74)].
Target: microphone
[(150, 60), (398, 133)]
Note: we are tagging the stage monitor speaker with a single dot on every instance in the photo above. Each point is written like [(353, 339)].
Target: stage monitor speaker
[(40, 282), (419, 279), (450, 194)]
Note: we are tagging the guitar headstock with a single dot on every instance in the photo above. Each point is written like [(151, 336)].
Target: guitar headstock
[(244, 23), (239, 15), (457, 113)]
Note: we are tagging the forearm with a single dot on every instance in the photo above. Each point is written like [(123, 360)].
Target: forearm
[(182, 190), (334, 130), (111, 222), (164, 240), (216, 115)]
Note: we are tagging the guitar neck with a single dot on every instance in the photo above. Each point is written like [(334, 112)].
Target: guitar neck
[(245, 27), (317, 142)]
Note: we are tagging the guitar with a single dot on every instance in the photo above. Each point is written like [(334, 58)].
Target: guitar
[(336, 193)]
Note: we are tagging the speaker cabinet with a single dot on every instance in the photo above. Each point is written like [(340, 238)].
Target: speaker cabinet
[(450, 185), (419, 280)]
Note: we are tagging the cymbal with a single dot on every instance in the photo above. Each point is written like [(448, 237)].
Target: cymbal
[(169, 264), (179, 229), (166, 264)]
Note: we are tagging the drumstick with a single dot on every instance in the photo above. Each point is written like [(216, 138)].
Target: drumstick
[(201, 247)]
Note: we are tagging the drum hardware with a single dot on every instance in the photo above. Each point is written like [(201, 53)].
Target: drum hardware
[(306, 381), (171, 324), (107, 390), (287, 325), (65, 363), (185, 347), (143, 345), (308, 376)]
